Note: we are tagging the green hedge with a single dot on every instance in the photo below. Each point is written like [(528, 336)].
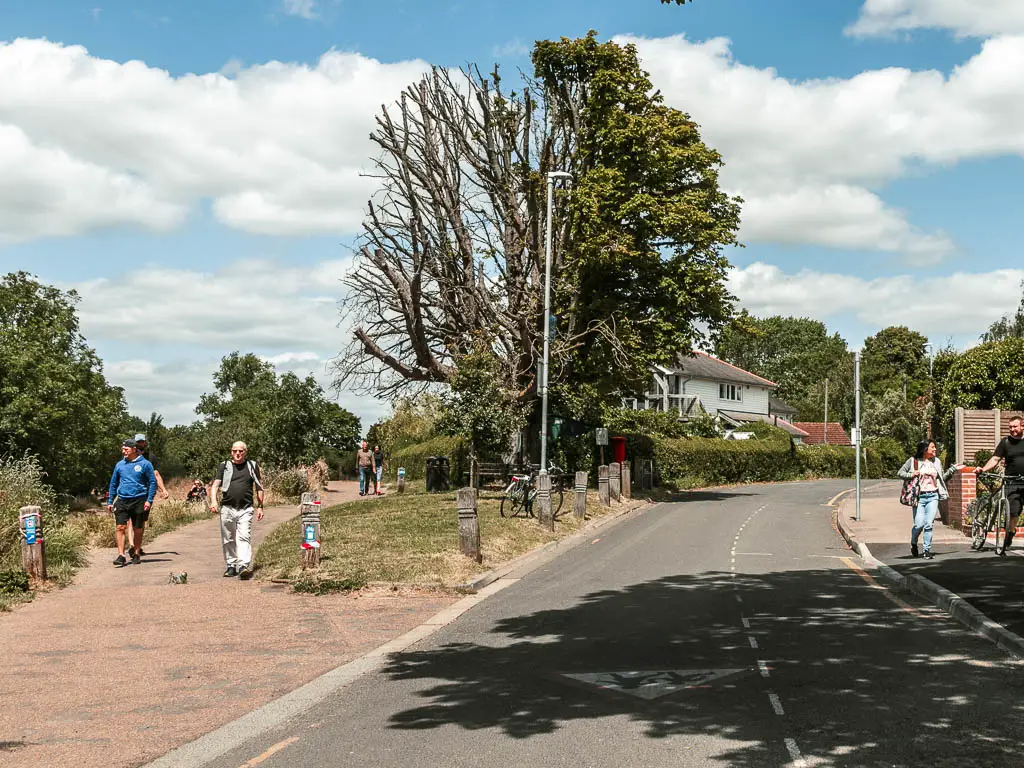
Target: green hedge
[(414, 458)]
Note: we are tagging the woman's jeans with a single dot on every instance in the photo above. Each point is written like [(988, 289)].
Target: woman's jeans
[(924, 515)]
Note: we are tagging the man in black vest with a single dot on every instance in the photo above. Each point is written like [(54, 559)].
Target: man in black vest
[(241, 481), (1010, 452)]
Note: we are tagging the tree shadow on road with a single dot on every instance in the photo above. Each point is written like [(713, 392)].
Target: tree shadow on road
[(863, 681)]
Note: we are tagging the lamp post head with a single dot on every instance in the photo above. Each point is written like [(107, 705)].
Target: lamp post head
[(552, 175)]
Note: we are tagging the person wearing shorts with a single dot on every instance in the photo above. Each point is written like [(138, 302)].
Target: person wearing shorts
[(131, 493), (1010, 451), (143, 446)]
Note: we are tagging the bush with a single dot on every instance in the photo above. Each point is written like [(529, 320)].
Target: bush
[(883, 457), (764, 431), (21, 485), (414, 458), (13, 581), (980, 457), (711, 461), (289, 484), (827, 460)]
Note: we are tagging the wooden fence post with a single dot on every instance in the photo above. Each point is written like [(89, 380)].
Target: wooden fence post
[(543, 501), (401, 479), (602, 485), (627, 480), (309, 520), (469, 523), (33, 547), (615, 481), (581, 495)]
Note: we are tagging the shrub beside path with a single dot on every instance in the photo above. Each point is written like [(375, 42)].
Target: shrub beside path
[(123, 666)]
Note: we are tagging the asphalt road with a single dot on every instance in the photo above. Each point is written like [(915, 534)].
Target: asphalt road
[(723, 630)]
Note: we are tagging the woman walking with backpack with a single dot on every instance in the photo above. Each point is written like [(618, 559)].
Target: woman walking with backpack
[(925, 481)]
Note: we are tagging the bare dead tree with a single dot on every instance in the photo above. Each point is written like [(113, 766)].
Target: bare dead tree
[(452, 249)]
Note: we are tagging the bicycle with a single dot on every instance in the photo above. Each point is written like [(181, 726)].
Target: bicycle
[(991, 510), (522, 491)]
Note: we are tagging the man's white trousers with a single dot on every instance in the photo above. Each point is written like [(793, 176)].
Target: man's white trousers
[(236, 535)]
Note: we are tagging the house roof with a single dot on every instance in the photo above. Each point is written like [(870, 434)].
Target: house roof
[(775, 405), (816, 433), (703, 366), (745, 418)]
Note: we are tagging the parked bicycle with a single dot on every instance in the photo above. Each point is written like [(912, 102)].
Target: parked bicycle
[(522, 491), (991, 509)]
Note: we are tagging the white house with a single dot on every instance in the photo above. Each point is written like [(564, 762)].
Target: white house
[(705, 384)]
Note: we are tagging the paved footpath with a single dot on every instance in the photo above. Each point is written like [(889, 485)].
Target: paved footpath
[(991, 584), (123, 666)]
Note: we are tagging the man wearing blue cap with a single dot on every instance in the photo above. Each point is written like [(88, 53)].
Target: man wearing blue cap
[(131, 493)]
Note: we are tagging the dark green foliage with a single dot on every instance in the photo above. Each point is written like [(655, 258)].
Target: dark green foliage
[(54, 400), (990, 375), (895, 360), (884, 457), (414, 458), (980, 457), (891, 416), (13, 581), (289, 483)]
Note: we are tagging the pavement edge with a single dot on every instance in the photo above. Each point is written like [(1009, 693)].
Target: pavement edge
[(942, 598)]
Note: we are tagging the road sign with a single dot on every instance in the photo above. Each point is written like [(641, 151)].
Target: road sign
[(602, 436), (652, 684)]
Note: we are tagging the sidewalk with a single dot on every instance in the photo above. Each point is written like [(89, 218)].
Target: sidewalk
[(123, 666), (991, 584)]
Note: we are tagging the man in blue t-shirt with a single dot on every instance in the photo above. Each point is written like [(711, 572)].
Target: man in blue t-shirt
[(131, 494)]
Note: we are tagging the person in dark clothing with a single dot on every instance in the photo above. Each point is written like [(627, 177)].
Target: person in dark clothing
[(242, 484), (143, 447), (378, 469), (1010, 453), (197, 492), (131, 493)]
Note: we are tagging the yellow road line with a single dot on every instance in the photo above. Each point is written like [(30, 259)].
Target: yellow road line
[(870, 580), (832, 501), (269, 753)]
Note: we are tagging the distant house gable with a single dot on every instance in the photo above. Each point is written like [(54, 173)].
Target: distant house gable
[(703, 366), (816, 433)]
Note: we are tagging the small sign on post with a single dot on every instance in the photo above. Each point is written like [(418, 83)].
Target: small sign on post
[(627, 481), (602, 485), (33, 544), (469, 523), (615, 481), (309, 520), (401, 479), (601, 435), (581, 495)]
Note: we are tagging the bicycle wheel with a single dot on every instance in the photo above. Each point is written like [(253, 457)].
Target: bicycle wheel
[(1002, 520), (981, 514), (531, 495), (557, 499)]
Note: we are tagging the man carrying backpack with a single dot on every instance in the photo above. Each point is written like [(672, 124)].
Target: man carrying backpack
[(241, 481)]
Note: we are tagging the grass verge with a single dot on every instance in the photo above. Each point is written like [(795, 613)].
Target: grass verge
[(408, 539)]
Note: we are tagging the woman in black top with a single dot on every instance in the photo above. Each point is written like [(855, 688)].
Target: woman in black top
[(378, 463)]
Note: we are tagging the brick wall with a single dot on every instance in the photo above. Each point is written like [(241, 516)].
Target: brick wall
[(962, 487)]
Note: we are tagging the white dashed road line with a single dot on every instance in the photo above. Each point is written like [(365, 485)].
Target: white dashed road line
[(776, 704), (794, 753)]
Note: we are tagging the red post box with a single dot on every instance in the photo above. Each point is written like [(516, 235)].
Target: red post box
[(619, 449)]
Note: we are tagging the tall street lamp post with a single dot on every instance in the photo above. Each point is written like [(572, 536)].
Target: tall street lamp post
[(553, 176), (931, 389)]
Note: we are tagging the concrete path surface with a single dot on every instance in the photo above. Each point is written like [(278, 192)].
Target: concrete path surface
[(124, 666)]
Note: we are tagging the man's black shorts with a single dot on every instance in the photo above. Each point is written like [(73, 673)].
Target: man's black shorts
[(130, 509)]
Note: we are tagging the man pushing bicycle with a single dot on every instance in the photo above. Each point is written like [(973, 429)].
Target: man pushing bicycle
[(1010, 452)]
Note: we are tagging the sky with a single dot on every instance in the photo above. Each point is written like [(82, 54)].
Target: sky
[(196, 171)]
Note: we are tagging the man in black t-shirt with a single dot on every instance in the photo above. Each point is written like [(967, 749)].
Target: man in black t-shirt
[(242, 483), (143, 448), (1010, 452)]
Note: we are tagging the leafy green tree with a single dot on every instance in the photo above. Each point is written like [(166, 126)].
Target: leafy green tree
[(889, 415), (284, 420), (990, 375), (413, 420), (798, 354), (55, 402), (1007, 327), (479, 408), (895, 359)]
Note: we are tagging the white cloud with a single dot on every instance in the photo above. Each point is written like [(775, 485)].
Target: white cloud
[(966, 18), (957, 304), (286, 358), (279, 148), (810, 156), (304, 8)]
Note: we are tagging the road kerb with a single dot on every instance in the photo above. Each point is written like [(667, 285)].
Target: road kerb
[(942, 598)]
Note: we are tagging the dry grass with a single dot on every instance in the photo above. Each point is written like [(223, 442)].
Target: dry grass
[(97, 526), (409, 539)]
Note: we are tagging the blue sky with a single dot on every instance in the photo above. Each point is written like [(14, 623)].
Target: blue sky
[(877, 145)]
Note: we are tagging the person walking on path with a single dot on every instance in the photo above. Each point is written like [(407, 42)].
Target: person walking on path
[(925, 468), (378, 469), (1010, 452), (131, 493), (365, 467), (143, 448), (242, 482)]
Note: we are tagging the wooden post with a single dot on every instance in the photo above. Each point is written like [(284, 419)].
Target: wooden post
[(401, 479), (958, 424), (469, 523), (627, 481), (543, 501), (615, 481), (309, 520), (602, 485), (33, 548), (581, 495)]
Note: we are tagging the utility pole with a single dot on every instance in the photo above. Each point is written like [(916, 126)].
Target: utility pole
[(826, 411), (856, 417)]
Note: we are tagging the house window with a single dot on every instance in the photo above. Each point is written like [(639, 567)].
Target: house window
[(730, 392)]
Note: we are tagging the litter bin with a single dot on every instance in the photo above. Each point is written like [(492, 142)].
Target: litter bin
[(443, 472), (430, 476)]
